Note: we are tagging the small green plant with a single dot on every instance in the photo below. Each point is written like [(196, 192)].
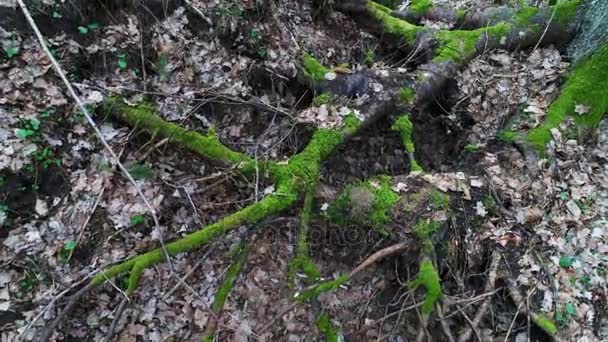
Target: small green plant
[(472, 148), (56, 14), (29, 129), (46, 157), (565, 261), (370, 56), (564, 316), (89, 27), (11, 52), (122, 61), (162, 66), (136, 220), (322, 99), (67, 249), (83, 29), (141, 172)]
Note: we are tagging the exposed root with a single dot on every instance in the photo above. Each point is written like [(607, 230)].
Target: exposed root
[(301, 261), (117, 315), (485, 305), (240, 256), (541, 320), (48, 332)]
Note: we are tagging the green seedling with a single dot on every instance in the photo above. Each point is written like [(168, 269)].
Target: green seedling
[(122, 61), (11, 52), (29, 129), (137, 220), (67, 249), (46, 157)]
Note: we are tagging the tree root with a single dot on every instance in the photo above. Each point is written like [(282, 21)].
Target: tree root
[(450, 50), (301, 260), (240, 256)]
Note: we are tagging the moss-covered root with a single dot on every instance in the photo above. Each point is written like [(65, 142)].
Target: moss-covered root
[(583, 97), (405, 127), (270, 205), (316, 290), (146, 117), (429, 279), (301, 261), (327, 328), (240, 256)]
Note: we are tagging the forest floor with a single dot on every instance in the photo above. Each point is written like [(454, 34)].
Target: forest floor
[(65, 212)]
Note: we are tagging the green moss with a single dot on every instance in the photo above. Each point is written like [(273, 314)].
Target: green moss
[(440, 200), (423, 230), (398, 27), (284, 197), (586, 85), (545, 323), (370, 57), (322, 99), (421, 6), (350, 124), (508, 135), (524, 15), (301, 261), (405, 127), (230, 277), (145, 117), (328, 329), (565, 12), (302, 170), (327, 286), (460, 45), (457, 45), (460, 14), (429, 279), (407, 95), (313, 69), (366, 203)]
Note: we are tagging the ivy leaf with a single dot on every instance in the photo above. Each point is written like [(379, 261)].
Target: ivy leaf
[(565, 262), (83, 30), (11, 52)]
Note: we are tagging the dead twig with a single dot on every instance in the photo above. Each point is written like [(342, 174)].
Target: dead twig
[(117, 315)]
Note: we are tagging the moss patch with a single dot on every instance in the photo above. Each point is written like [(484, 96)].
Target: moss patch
[(545, 323), (421, 6), (429, 279), (586, 86), (366, 203), (322, 99), (407, 95), (565, 12), (398, 27), (460, 45), (302, 261), (328, 329), (146, 117), (524, 15), (405, 127), (313, 69)]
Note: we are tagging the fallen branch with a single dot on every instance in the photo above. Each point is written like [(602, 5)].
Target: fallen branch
[(117, 315), (541, 321), (48, 331)]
